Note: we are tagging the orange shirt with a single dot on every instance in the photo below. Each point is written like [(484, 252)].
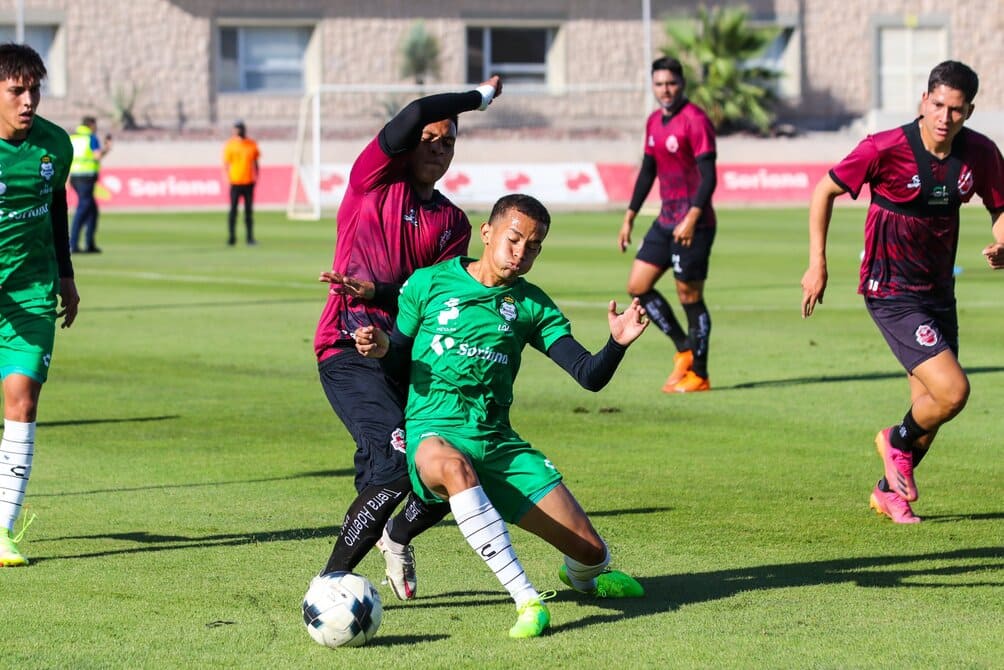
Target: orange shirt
[(239, 158)]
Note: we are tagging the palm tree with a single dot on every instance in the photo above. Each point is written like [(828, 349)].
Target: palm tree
[(723, 77), (420, 51)]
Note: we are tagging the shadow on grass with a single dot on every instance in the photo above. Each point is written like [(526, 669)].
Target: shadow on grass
[(91, 422), (344, 472), (165, 542), (670, 592), (829, 379)]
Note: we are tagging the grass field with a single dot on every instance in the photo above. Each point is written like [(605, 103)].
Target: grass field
[(190, 477)]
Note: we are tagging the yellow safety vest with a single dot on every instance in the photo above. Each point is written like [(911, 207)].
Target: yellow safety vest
[(84, 162)]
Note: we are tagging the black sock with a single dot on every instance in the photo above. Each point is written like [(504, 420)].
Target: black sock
[(414, 518), (364, 523), (905, 434), (699, 322), (661, 314), (918, 455)]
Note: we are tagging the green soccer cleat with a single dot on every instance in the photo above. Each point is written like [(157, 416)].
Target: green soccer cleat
[(533, 620), (609, 584), (10, 556)]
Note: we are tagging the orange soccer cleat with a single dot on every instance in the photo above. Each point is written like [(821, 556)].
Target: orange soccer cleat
[(682, 362), (691, 383)]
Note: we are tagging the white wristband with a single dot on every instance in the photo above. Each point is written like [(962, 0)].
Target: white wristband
[(487, 93)]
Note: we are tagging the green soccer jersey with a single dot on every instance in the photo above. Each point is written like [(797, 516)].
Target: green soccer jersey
[(468, 344), (29, 173)]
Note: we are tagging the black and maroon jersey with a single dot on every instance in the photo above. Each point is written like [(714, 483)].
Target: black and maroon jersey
[(912, 227)]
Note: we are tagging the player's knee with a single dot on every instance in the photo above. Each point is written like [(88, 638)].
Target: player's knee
[(456, 474), (955, 398)]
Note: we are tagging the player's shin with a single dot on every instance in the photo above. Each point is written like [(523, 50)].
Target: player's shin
[(17, 450), (414, 518), (364, 523), (582, 577), (486, 532)]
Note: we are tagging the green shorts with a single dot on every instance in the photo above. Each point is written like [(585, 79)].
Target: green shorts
[(514, 475), (27, 332)]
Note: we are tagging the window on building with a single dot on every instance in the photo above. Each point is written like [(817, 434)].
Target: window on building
[(906, 56), (45, 40), (519, 54), (262, 58)]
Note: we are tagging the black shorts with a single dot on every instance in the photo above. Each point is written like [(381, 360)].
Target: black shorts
[(688, 263), (371, 405), (916, 329)]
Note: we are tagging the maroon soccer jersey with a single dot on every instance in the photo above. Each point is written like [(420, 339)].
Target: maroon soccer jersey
[(675, 146), (385, 232), (912, 227)]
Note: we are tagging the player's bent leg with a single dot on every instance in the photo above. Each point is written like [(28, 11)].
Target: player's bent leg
[(947, 390), (560, 520)]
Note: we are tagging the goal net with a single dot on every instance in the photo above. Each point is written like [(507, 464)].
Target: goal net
[(336, 121)]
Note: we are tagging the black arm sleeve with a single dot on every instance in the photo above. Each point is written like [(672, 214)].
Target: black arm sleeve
[(709, 180), (643, 184), (404, 131), (397, 362), (592, 371), (58, 214), (385, 295)]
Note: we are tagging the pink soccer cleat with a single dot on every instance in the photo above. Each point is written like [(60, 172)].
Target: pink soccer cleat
[(898, 466), (893, 506)]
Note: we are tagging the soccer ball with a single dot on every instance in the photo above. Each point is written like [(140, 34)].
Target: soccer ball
[(342, 609)]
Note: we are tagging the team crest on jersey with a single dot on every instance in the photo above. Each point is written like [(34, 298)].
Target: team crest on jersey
[(411, 217), (672, 144), (926, 336), (966, 182), (397, 442), (46, 168), (914, 182), (507, 308)]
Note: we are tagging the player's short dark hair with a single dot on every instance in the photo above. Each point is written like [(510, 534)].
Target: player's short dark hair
[(88, 121), (667, 63), (953, 74), (524, 204), (20, 61)]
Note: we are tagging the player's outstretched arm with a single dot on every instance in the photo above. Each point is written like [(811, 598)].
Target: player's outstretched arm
[(994, 253), (404, 131), (628, 326), (820, 211)]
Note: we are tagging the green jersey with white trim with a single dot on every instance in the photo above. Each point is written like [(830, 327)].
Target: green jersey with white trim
[(29, 173), (468, 344)]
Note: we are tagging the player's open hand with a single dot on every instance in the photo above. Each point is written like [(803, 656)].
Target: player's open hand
[(628, 326), (683, 232), (371, 342), (350, 286), (994, 253), (69, 299), (813, 287)]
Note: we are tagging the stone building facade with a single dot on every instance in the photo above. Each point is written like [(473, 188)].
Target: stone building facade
[(572, 64)]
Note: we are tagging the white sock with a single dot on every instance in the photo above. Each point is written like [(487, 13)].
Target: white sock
[(388, 541), (486, 532), (16, 451), (583, 577)]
